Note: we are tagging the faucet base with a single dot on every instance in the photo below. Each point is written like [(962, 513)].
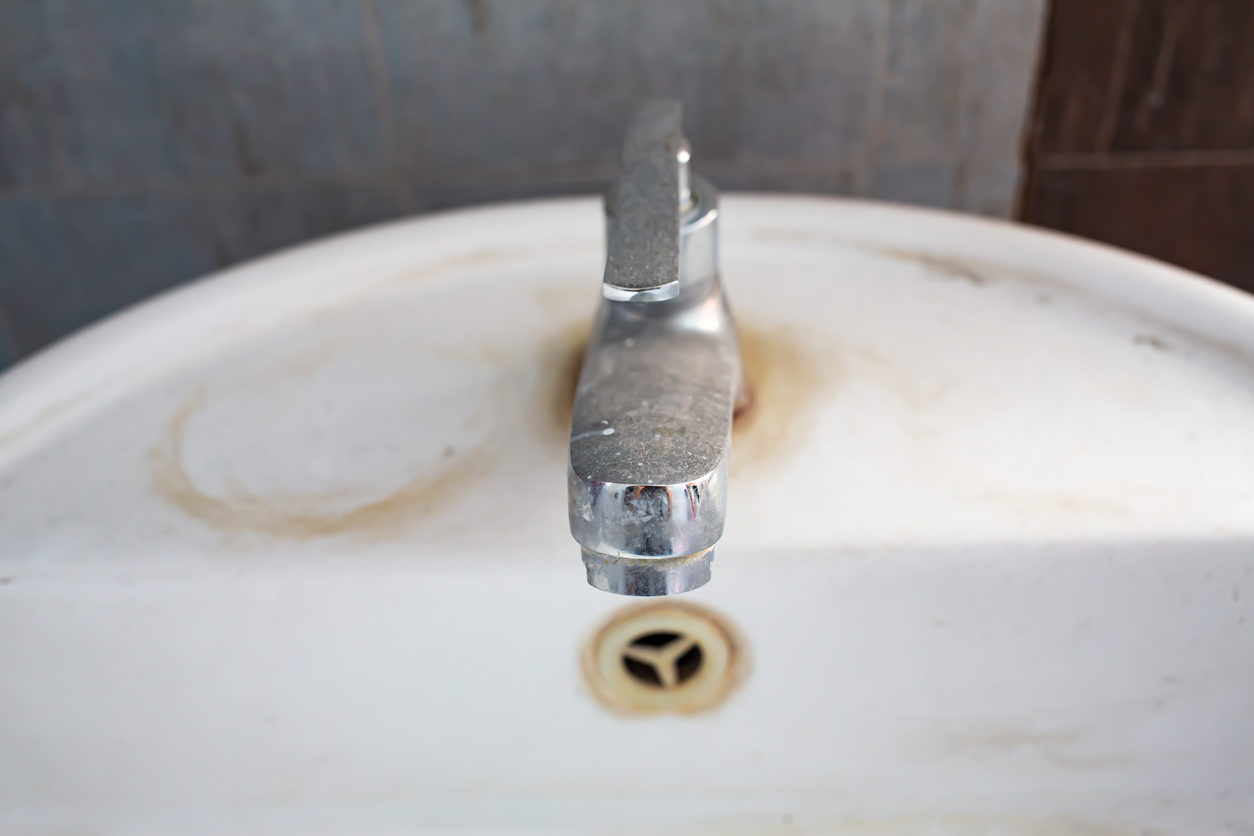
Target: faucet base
[(648, 576)]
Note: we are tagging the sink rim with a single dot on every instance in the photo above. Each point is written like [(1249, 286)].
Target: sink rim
[(67, 379)]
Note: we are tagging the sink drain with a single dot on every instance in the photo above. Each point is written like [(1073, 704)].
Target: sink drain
[(664, 658)]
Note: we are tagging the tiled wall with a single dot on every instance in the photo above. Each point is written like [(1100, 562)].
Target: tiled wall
[(144, 143)]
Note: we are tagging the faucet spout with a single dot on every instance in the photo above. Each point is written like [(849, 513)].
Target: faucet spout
[(651, 427)]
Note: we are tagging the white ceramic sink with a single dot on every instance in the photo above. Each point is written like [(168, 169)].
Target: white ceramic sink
[(287, 551)]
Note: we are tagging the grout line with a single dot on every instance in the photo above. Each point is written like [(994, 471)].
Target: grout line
[(1099, 160)]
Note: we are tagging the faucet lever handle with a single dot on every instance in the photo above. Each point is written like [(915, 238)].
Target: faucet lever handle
[(643, 207)]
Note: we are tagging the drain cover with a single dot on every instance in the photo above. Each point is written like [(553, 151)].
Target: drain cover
[(660, 658)]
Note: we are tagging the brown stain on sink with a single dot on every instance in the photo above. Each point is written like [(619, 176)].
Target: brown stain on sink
[(561, 360), (306, 516), (991, 740), (785, 377), (544, 403)]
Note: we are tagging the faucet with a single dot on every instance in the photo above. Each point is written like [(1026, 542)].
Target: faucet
[(651, 427)]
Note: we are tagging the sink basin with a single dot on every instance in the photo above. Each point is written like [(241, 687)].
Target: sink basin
[(286, 550)]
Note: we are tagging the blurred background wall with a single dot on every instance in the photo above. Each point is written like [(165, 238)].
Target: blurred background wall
[(147, 142), (1143, 131)]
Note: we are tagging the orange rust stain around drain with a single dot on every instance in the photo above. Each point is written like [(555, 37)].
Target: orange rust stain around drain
[(713, 633), (784, 379), (307, 516)]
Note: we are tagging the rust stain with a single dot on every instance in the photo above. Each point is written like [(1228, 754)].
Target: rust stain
[(47, 415), (561, 360), (783, 374), (1063, 748), (236, 509), (1152, 340), (305, 516), (951, 268), (784, 378), (1001, 739)]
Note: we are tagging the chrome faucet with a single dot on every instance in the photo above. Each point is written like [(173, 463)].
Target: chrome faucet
[(651, 429)]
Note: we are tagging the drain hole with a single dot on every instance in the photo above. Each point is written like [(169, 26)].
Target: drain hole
[(658, 639), (663, 659), (642, 672), (688, 664)]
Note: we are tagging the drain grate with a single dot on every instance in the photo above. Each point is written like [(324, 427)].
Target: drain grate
[(663, 660), (666, 657)]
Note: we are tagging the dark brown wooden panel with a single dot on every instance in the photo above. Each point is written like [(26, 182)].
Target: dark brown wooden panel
[(1147, 75), (1200, 218), (1143, 130), (1076, 72)]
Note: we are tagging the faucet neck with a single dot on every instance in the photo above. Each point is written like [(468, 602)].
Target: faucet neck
[(651, 424)]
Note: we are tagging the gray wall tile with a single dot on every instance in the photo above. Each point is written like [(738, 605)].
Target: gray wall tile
[(206, 89), (33, 112), (927, 184), (924, 77), (145, 142), (955, 93), (133, 246), (130, 246), (541, 82)]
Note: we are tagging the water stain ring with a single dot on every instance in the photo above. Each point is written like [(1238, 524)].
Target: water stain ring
[(664, 658)]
